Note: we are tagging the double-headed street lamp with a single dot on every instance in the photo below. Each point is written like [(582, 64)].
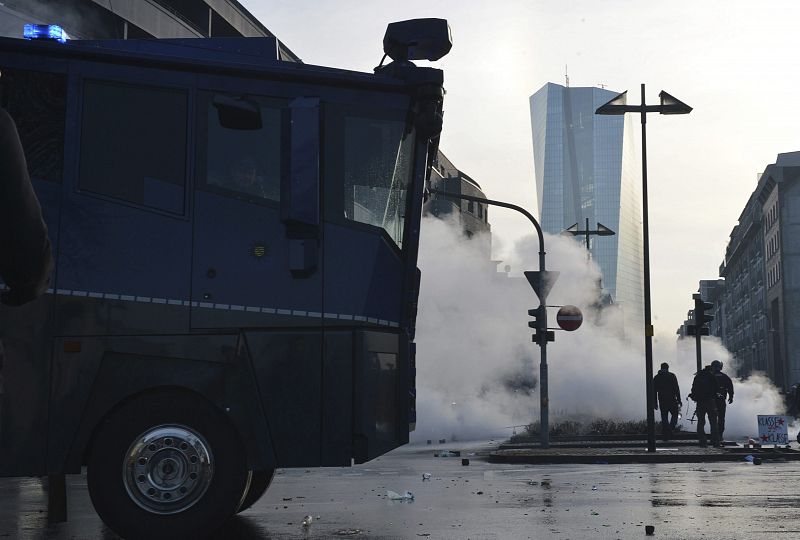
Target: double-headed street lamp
[(601, 230), (668, 105)]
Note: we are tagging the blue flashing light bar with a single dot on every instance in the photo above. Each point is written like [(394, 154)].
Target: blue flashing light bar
[(51, 32)]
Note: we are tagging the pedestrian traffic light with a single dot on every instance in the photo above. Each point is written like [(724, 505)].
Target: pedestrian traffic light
[(550, 335)]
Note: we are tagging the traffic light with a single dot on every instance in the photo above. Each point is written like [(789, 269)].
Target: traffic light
[(702, 316), (538, 315), (539, 324)]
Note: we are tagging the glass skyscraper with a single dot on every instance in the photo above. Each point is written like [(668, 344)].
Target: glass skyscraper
[(586, 167)]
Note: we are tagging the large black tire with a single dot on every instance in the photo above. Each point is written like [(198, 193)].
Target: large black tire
[(259, 483), (149, 474)]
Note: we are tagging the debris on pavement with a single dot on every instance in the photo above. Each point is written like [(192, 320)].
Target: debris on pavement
[(426, 476), (464, 461), (649, 530), (347, 532), (752, 443), (394, 496), (307, 521)]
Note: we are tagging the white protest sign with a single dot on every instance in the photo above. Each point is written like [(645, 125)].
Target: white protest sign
[(773, 429)]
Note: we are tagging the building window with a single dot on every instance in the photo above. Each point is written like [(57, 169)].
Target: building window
[(133, 144), (471, 207)]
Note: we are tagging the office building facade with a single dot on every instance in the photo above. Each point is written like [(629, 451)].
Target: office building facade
[(778, 194), (586, 167), (757, 306), (744, 324)]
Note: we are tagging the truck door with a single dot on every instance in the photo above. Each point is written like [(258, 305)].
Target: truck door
[(243, 271), (256, 260)]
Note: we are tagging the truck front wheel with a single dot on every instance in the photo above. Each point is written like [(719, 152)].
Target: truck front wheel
[(259, 483), (166, 466)]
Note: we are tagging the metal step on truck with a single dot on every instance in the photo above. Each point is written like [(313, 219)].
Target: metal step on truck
[(234, 279)]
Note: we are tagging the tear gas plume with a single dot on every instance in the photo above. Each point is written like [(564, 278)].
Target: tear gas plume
[(477, 369)]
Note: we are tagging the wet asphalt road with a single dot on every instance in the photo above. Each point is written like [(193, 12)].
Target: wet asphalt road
[(480, 501)]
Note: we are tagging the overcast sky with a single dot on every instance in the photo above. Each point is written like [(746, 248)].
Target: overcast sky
[(736, 62)]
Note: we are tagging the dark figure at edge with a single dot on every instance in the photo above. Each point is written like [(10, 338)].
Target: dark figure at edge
[(725, 390), (704, 393), (26, 260), (668, 397), (25, 257)]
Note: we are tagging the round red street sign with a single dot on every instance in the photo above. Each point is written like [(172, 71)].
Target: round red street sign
[(569, 318)]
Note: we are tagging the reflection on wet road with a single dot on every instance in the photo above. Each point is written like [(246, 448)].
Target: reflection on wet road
[(479, 501)]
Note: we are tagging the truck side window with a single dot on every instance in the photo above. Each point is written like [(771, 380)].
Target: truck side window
[(374, 171), (246, 162), (37, 103), (133, 144)]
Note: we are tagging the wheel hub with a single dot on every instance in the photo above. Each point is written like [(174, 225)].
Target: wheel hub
[(167, 469)]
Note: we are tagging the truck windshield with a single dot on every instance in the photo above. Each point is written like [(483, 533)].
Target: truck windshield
[(375, 167)]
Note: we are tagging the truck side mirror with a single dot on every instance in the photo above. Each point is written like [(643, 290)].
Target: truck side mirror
[(236, 113)]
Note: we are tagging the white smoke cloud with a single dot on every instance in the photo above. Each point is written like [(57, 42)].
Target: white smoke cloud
[(478, 371), (752, 396)]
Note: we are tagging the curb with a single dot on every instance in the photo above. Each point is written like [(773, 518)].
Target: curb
[(619, 459)]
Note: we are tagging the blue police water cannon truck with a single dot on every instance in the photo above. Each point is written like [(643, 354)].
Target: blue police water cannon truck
[(234, 266)]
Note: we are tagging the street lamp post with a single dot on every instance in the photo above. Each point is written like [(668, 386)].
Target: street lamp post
[(668, 105)]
